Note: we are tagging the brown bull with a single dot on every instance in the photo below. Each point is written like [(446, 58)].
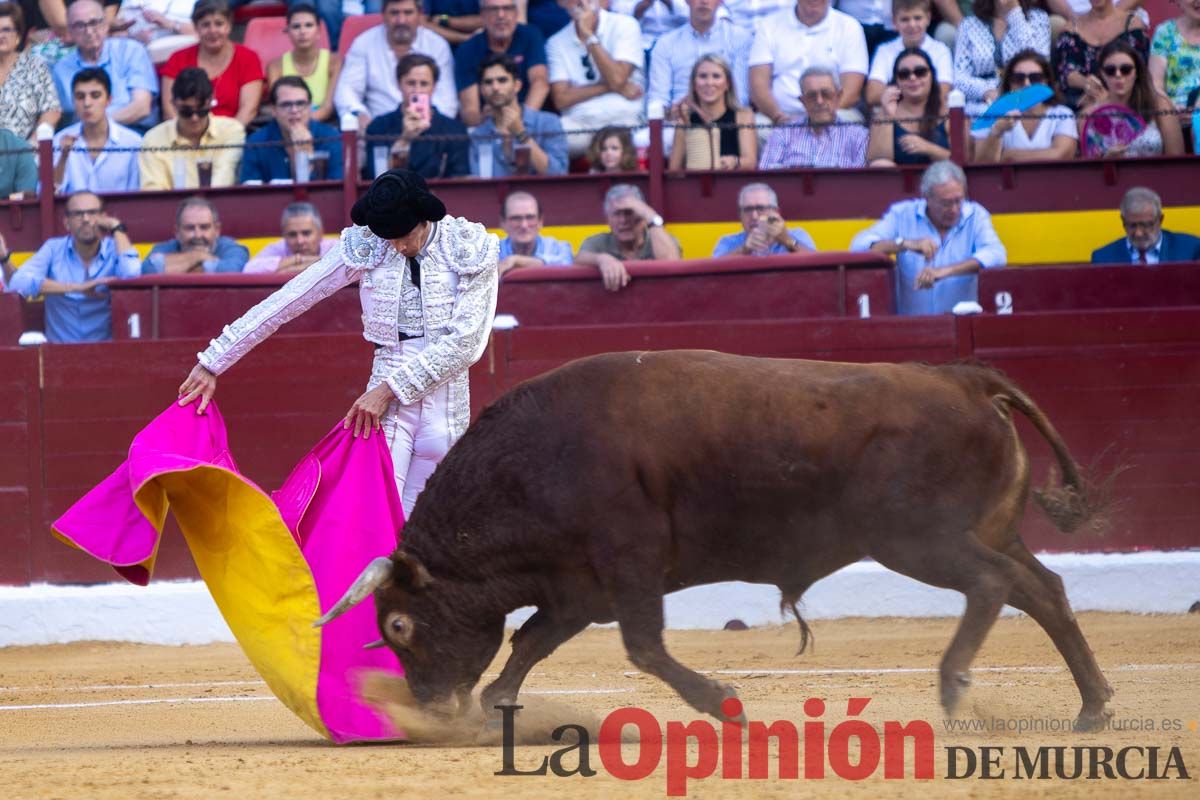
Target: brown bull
[(592, 491)]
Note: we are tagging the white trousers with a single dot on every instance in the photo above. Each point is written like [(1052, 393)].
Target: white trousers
[(418, 435)]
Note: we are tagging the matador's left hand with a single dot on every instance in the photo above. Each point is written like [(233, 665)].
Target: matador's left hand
[(367, 412)]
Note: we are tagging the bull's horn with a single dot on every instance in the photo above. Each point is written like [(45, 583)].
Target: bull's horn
[(374, 576), (375, 645)]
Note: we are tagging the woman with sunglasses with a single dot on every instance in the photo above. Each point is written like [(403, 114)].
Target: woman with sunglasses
[(712, 104), (987, 41), (308, 60), (908, 127), (1045, 132), (235, 71), (27, 94), (1080, 44), (1122, 79)]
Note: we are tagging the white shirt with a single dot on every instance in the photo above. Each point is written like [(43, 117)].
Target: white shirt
[(886, 54), (106, 171), (869, 12), (781, 40), (657, 20), (619, 35), (1058, 121), (747, 13), (368, 80)]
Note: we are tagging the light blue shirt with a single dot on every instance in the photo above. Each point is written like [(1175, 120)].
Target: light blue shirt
[(75, 316), (105, 171), (1153, 255), (676, 52), (727, 244), (547, 131), (973, 237), (128, 66), (551, 252)]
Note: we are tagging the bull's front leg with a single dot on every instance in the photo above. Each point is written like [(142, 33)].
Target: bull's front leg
[(537, 638)]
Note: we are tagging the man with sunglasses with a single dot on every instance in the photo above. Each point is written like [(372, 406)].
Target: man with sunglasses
[(193, 137), (274, 150), (816, 140), (73, 271), (1145, 241)]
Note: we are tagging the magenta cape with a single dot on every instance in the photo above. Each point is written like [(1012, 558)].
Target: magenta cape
[(273, 563)]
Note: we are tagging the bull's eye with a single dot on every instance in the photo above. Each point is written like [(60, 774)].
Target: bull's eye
[(398, 627)]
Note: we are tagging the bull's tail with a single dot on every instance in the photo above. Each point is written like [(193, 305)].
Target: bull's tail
[(1080, 498)]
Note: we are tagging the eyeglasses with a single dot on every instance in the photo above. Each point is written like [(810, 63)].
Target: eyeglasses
[(292, 105), (587, 65), (497, 10), (1111, 70), (189, 113), (1132, 225), (1021, 78), (819, 94), (757, 209), (521, 218), (87, 25), (79, 213), (916, 72), (7, 31)]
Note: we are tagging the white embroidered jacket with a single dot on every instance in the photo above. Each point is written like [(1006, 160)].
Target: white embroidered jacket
[(454, 307)]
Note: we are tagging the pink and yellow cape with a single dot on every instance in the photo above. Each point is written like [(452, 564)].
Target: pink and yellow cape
[(272, 562)]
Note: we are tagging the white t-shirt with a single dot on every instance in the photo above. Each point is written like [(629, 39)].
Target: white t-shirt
[(781, 40), (886, 54), (619, 35), (1059, 121)]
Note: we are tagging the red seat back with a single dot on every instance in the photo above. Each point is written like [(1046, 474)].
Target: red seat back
[(267, 37), (355, 25)]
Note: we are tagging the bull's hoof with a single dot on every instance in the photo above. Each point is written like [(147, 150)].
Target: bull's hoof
[(953, 687), (1092, 720)]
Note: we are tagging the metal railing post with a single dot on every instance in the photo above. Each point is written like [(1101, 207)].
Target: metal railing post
[(349, 164)]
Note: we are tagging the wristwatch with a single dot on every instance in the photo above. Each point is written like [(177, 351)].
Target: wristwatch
[(591, 40), (524, 136), (899, 242), (656, 221), (118, 228)]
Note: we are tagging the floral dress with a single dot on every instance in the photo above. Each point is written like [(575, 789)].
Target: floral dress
[(26, 94), (1183, 62), (1073, 54), (978, 57)]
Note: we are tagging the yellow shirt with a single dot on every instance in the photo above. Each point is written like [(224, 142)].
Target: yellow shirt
[(158, 168), (318, 82)]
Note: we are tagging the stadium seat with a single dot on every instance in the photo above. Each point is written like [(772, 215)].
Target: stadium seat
[(259, 8), (355, 25), (265, 36)]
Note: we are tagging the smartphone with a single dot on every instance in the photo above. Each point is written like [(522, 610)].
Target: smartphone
[(420, 102)]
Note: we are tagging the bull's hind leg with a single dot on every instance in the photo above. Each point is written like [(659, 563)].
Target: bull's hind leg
[(985, 578), (1039, 593), (537, 638)]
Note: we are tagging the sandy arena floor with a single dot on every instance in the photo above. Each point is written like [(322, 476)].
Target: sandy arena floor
[(101, 720)]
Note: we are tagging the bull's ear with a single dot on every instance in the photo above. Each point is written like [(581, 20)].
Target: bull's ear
[(408, 572)]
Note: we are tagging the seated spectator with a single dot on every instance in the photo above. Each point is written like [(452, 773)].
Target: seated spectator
[(709, 116), (875, 17), (72, 272), (1175, 55), (415, 141), (816, 139), (27, 95), (1080, 44), (655, 17), (612, 150), (546, 15), (764, 233), (911, 18), (524, 246), (134, 81), (89, 158), (1122, 79), (163, 26), (635, 233), (677, 51), (308, 60), (453, 20), (809, 34), (746, 14), (909, 127), (302, 245), (18, 170), (987, 41), (191, 131), (367, 86), (198, 245), (513, 139), (235, 71), (1045, 132), (595, 71), (940, 243), (501, 34), (298, 135), (1145, 240)]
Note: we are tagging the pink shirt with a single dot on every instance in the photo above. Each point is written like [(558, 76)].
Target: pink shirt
[(268, 259)]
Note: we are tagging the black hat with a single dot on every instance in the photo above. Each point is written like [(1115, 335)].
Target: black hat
[(397, 201)]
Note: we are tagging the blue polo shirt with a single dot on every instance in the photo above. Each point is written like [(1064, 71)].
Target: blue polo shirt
[(272, 163), (128, 66), (528, 49), (75, 316)]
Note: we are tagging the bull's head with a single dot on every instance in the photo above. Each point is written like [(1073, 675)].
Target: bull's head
[(431, 625)]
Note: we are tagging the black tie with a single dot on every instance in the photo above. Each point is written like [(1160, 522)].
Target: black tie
[(414, 265)]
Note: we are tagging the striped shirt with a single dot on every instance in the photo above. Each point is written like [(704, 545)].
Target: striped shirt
[(798, 145)]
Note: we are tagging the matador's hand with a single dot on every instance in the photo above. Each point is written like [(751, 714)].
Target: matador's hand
[(367, 412), (200, 383)]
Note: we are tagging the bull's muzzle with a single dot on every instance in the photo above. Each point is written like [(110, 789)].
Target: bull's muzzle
[(375, 575)]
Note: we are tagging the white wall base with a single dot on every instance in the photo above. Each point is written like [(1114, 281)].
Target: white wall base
[(182, 612)]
